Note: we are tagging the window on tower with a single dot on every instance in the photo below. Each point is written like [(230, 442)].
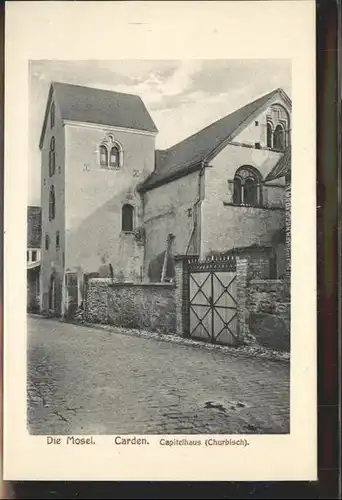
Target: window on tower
[(52, 203), (114, 157), (111, 154), (52, 115), (127, 218), (52, 157)]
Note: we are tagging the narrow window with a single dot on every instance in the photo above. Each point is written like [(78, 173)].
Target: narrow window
[(114, 157), (52, 157), (47, 242), (103, 156), (250, 192), (279, 138), (27, 256), (57, 240), (52, 115), (269, 135), (127, 218), (237, 198), (52, 204), (34, 255)]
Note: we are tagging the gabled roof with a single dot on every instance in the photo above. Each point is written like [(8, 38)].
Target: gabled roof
[(103, 107), (188, 155), (34, 227), (282, 168)]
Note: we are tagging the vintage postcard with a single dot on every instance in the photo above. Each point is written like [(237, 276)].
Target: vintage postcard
[(160, 274)]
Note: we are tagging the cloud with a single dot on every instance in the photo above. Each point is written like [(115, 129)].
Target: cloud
[(182, 96), (221, 75)]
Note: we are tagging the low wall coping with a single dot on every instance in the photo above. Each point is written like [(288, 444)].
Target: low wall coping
[(185, 257), (108, 281), (266, 282), (143, 285)]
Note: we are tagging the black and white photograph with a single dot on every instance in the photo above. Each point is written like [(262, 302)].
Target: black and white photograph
[(160, 272), (158, 254)]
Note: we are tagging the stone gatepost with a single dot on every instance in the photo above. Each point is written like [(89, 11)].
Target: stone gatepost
[(182, 294), (241, 292)]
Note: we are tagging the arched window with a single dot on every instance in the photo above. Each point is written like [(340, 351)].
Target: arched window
[(52, 157), (278, 127), (127, 218), (269, 134), (47, 242), (279, 138), (114, 157), (247, 186), (52, 204), (111, 154), (103, 156), (52, 115)]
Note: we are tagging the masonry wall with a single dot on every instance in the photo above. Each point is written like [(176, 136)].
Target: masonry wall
[(269, 313), (167, 210), (288, 231), (33, 290), (148, 306), (239, 225), (95, 196), (52, 259), (256, 130)]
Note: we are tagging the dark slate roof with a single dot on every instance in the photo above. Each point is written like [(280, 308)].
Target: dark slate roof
[(188, 155), (282, 168), (103, 107), (34, 227)]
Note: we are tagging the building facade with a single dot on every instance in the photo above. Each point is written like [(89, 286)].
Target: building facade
[(113, 205), (96, 146), (33, 258), (212, 190)]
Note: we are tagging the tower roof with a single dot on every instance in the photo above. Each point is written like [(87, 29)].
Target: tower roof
[(98, 106)]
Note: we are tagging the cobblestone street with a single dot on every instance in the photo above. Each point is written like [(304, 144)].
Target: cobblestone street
[(85, 380)]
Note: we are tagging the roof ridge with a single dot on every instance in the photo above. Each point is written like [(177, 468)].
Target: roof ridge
[(237, 110), (55, 82), (190, 153)]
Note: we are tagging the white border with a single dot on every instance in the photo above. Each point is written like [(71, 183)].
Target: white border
[(177, 30)]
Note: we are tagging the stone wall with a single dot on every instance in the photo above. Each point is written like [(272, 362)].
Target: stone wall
[(269, 311), (142, 306), (288, 230)]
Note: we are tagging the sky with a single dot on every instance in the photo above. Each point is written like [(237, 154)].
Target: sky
[(182, 96)]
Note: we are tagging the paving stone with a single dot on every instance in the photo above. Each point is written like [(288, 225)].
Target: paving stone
[(89, 381)]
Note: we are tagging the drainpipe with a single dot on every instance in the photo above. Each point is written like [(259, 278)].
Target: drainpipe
[(195, 207)]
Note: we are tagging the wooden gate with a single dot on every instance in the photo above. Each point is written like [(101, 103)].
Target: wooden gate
[(212, 299)]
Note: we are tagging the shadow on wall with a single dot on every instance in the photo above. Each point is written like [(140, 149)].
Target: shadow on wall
[(155, 268), (98, 238), (271, 330)]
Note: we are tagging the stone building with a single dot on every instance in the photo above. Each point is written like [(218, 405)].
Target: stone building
[(96, 146), (283, 171), (33, 257), (113, 205), (212, 190)]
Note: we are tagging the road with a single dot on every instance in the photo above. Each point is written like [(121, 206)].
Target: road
[(90, 381)]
